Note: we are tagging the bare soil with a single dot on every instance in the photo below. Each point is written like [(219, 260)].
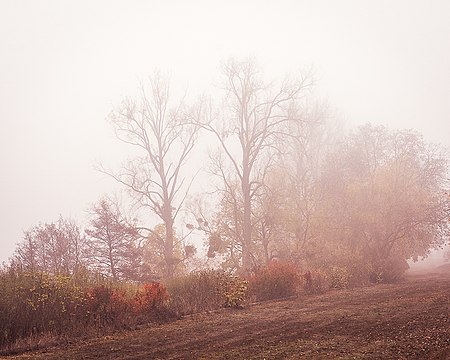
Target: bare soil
[(409, 320)]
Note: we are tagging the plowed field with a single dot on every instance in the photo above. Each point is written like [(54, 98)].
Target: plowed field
[(409, 320)]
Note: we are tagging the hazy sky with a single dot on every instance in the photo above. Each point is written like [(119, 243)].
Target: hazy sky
[(64, 64)]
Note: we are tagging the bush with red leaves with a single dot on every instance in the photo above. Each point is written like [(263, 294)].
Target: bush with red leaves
[(150, 297)]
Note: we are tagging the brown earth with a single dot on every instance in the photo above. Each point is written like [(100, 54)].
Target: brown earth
[(409, 320)]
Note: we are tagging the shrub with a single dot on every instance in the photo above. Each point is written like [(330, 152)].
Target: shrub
[(122, 306), (36, 306), (318, 283), (390, 270), (107, 306), (204, 291), (195, 292), (339, 277), (234, 290), (35, 303), (150, 303), (275, 281), (150, 296)]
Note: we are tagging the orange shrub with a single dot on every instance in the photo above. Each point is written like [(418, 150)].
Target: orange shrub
[(150, 296)]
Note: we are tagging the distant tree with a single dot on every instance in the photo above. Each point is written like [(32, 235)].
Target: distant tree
[(56, 247), (248, 125), (289, 204), (112, 240), (166, 137), (385, 197)]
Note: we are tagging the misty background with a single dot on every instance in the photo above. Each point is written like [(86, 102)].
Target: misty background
[(65, 64)]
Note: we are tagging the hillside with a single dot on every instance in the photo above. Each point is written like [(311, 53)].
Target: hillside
[(410, 320)]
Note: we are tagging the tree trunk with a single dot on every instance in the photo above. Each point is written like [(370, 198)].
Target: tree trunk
[(246, 225), (169, 241)]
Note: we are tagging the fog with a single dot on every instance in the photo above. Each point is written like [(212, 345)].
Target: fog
[(65, 64)]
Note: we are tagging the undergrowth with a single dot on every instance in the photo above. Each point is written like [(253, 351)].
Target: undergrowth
[(39, 309)]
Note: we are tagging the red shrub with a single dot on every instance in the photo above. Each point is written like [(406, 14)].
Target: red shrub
[(150, 296)]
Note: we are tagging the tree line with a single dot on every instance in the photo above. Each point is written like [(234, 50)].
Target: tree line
[(287, 183)]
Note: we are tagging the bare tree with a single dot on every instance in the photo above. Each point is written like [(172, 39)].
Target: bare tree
[(253, 117), (166, 139), (56, 247)]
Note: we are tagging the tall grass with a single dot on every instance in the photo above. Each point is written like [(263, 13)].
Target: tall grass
[(38, 306), (205, 291), (275, 281), (34, 305)]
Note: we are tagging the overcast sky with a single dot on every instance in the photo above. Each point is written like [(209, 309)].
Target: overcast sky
[(64, 64)]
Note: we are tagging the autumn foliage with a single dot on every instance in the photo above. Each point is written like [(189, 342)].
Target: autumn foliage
[(39, 305), (150, 296), (34, 304)]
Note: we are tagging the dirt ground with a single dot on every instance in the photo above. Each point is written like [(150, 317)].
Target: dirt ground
[(409, 320)]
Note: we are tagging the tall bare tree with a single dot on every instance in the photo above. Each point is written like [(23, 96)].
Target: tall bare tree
[(165, 138), (252, 119)]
